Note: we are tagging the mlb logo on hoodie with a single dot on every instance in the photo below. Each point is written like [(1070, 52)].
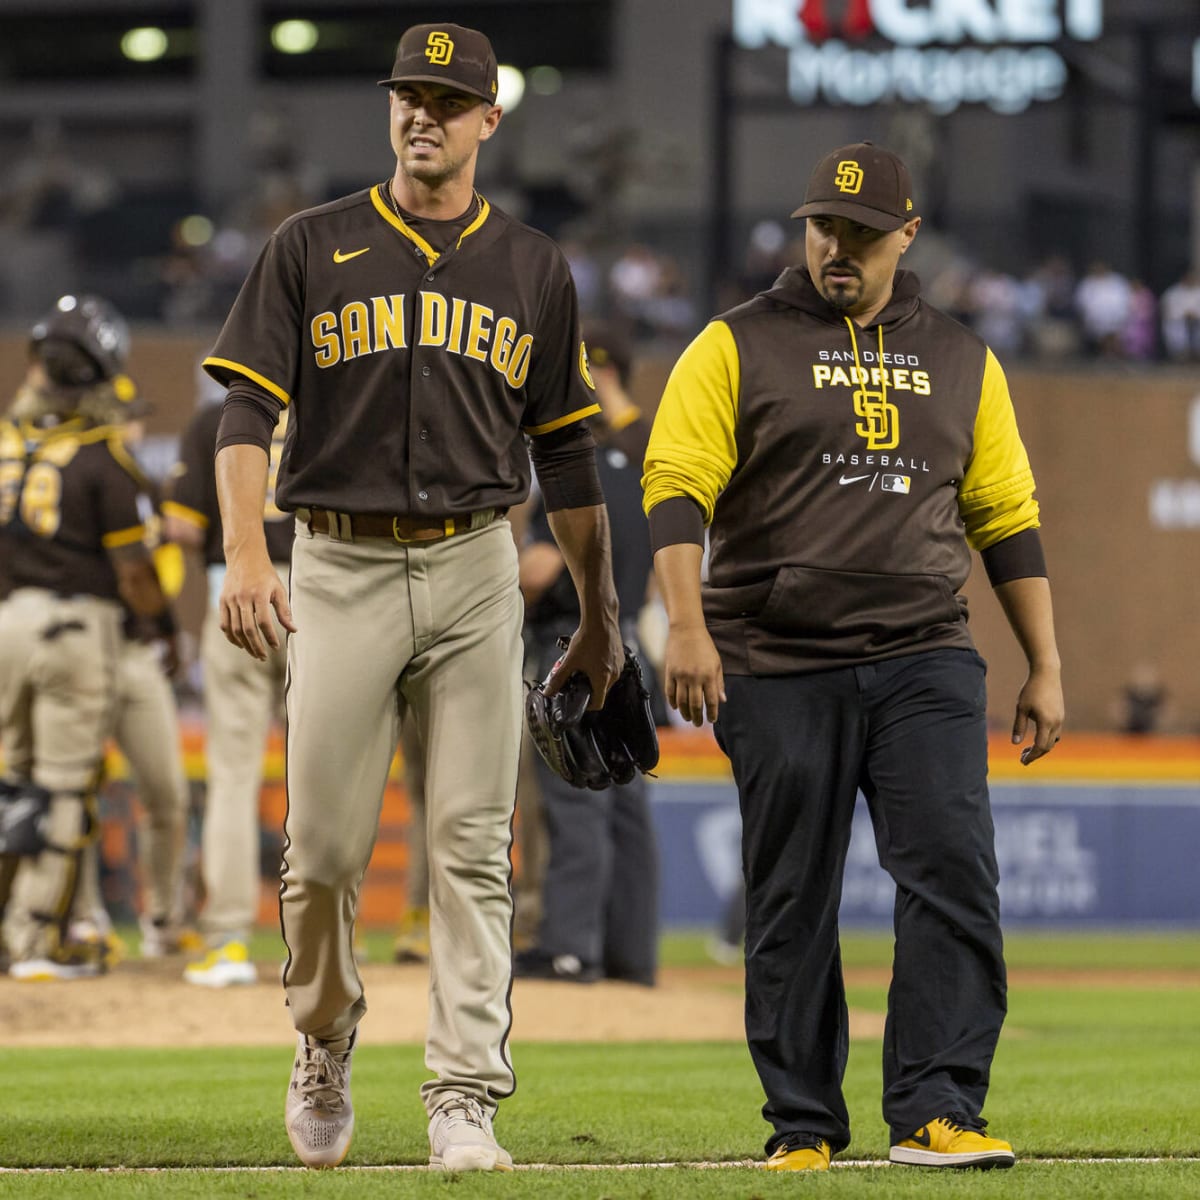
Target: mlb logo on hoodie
[(895, 483)]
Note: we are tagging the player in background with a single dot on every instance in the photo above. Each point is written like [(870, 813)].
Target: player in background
[(146, 730), (599, 903), (242, 697), (72, 541)]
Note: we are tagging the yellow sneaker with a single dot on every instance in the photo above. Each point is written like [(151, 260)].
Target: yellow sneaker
[(227, 965), (412, 939), (952, 1141), (800, 1152)]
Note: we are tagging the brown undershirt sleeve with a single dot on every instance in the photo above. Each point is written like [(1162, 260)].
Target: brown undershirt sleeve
[(565, 462), (248, 417), (1016, 557), (677, 519)]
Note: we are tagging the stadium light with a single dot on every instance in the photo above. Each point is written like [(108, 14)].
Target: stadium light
[(294, 37), (196, 230), (144, 44), (545, 81), (510, 87)]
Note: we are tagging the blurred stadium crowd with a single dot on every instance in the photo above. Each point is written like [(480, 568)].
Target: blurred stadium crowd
[(181, 269)]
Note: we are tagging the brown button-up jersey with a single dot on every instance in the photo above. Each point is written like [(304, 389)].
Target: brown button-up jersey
[(409, 374), (192, 488), (67, 496)]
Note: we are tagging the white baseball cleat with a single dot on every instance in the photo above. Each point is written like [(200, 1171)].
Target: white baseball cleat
[(461, 1138), (318, 1114)]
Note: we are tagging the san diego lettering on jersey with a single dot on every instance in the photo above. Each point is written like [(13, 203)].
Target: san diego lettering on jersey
[(449, 323)]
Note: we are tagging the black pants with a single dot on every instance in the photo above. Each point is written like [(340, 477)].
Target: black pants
[(600, 893), (911, 733)]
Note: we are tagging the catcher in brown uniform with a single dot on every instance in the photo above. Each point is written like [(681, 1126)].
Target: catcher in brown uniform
[(416, 336), (72, 540)]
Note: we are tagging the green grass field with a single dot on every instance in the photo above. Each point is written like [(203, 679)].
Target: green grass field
[(1083, 1072)]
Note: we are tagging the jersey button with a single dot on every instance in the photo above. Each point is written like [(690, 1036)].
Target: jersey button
[(430, 277), (426, 372), (424, 435), (422, 495)]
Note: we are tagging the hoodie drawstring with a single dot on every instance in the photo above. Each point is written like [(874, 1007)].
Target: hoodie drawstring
[(863, 374)]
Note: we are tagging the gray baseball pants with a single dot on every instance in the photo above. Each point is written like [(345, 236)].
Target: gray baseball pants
[(430, 631)]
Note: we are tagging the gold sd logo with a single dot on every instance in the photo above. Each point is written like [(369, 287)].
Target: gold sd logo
[(849, 177), (439, 48), (880, 423)]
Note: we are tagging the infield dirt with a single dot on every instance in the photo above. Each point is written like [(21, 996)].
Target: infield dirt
[(147, 1004)]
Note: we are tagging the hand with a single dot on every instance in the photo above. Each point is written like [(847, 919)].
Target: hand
[(1040, 704), (693, 680), (595, 650), (252, 597)]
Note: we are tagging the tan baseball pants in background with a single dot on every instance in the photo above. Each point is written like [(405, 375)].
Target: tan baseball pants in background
[(147, 731), (432, 630), (241, 698)]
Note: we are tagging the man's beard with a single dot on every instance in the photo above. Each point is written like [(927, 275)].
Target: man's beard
[(841, 296)]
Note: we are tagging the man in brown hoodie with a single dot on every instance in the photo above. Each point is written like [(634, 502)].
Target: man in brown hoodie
[(846, 446)]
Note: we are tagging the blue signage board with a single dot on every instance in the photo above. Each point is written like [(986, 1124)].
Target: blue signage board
[(1070, 855)]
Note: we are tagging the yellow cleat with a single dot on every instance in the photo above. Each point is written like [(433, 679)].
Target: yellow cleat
[(952, 1141), (800, 1152), (227, 965), (412, 939)]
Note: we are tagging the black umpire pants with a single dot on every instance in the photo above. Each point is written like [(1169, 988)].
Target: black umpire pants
[(911, 733)]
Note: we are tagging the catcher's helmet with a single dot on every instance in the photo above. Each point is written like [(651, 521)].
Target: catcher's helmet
[(81, 341)]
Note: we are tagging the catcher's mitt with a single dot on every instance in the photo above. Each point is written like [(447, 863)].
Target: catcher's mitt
[(598, 749), (23, 809)]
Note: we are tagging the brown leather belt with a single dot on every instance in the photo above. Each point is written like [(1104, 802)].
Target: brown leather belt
[(399, 529)]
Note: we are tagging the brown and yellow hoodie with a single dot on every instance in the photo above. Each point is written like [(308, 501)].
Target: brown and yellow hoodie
[(844, 475)]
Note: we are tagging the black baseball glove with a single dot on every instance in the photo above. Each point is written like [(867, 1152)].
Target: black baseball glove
[(23, 809), (598, 749)]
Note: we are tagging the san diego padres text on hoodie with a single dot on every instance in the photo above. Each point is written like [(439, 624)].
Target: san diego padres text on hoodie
[(845, 474)]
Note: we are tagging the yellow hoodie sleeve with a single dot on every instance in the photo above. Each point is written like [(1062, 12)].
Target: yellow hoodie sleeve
[(995, 498), (693, 444)]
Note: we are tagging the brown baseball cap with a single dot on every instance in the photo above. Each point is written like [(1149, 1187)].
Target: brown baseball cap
[(451, 54), (862, 182)]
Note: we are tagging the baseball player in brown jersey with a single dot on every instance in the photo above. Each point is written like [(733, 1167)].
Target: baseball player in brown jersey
[(848, 445), (416, 336), (145, 724), (72, 538), (146, 730), (242, 695)]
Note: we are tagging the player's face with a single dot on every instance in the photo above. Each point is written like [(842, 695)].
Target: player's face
[(436, 130), (852, 265)]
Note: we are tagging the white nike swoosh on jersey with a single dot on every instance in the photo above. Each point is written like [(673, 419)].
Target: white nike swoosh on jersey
[(854, 478)]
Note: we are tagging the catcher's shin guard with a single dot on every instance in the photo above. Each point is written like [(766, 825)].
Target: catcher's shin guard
[(44, 889), (24, 810)]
